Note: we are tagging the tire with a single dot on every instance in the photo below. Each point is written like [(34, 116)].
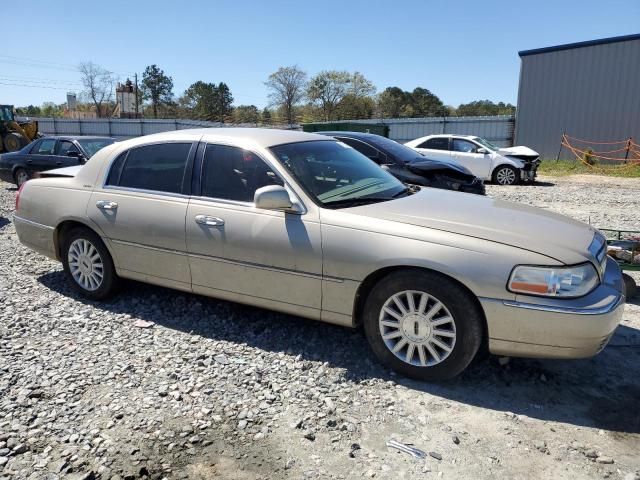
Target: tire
[(457, 304), (75, 246), (14, 141), (20, 176), (506, 175), (630, 287)]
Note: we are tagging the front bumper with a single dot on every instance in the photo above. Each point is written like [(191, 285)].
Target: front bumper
[(529, 172), (557, 328)]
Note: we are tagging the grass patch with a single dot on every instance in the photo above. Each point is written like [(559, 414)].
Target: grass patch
[(563, 168)]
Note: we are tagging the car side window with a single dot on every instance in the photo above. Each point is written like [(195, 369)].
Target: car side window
[(159, 167), (464, 146), (438, 143), (45, 147), (363, 148), (232, 173), (65, 146)]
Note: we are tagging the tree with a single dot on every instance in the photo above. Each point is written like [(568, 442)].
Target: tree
[(392, 101), (50, 109), (327, 89), (353, 107), (246, 114), (98, 84), (266, 116), (360, 86), (200, 100), (485, 107), (426, 104), (157, 87), (287, 89), (224, 102)]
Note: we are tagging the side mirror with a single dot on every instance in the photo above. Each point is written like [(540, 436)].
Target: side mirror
[(482, 151), (272, 197)]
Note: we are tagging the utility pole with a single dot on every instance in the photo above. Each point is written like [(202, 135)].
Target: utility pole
[(136, 80)]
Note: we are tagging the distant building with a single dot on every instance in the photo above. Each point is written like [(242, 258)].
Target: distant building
[(589, 90), (72, 102), (126, 99)]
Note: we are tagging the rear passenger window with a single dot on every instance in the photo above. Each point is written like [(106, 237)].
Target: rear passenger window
[(436, 144), (232, 173), (157, 167)]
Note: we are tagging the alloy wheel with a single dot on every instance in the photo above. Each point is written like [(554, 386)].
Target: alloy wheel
[(417, 328), (506, 176), (85, 264)]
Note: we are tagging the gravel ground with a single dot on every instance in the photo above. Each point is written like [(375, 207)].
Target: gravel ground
[(211, 389)]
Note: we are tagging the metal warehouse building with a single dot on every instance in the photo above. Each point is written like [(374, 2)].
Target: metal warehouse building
[(588, 90)]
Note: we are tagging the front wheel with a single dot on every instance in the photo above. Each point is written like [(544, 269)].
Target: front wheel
[(422, 325), (506, 175), (88, 264)]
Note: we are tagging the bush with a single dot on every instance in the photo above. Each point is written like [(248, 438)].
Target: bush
[(589, 158)]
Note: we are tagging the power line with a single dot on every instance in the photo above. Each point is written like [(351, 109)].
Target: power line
[(34, 86)]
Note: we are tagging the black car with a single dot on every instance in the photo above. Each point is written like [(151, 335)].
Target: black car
[(409, 166), (48, 153)]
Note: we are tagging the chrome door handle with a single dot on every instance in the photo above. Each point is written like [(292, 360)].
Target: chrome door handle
[(209, 221), (106, 205)]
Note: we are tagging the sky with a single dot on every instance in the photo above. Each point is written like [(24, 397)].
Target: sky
[(461, 50)]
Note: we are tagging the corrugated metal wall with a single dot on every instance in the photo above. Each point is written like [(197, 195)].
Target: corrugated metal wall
[(498, 129), (115, 127), (591, 93)]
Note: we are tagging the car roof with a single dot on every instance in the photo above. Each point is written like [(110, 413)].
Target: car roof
[(451, 135), (263, 137), (339, 133), (77, 137)]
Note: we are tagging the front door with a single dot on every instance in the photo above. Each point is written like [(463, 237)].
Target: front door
[(41, 157), (141, 211), (239, 252), (465, 153)]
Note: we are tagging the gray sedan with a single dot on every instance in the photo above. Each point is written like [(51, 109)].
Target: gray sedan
[(304, 224)]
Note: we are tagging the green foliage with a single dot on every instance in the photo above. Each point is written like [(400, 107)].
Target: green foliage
[(589, 158), (485, 108), (30, 111), (563, 168), (394, 102), (327, 89), (246, 114), (207, 101), (157, 87), (266, 116)]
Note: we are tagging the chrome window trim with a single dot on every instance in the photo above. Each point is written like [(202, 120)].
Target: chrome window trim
[(149, 192), (610, 307)]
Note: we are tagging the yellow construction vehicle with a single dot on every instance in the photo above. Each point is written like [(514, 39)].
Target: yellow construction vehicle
[(13, 134)]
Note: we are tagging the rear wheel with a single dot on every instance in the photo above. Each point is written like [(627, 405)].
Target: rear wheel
[(21, 176), (505, 175), (88, 264), (422, 325), (14, 141)]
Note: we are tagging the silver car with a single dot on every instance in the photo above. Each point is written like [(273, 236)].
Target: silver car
[(304, 224)]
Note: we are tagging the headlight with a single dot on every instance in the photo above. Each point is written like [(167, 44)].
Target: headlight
[(554, 281)]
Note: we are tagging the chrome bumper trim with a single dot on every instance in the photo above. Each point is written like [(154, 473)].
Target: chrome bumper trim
[(30, 222), (610, 307)]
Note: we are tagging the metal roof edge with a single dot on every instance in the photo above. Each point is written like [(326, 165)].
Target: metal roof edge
[(588, 43)]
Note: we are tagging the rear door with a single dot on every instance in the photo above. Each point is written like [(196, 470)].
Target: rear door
[(436, 148), (141, 210), (42, 156), (466, 153)]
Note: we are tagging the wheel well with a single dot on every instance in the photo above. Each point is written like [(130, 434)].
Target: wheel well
[(373, 278), (63, 229)]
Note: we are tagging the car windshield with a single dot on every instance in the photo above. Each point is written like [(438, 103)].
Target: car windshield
[(92, 145), (401, 152), (336, 175), (487, 144)]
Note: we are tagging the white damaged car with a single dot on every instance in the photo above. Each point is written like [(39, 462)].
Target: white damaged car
[(504, 166)]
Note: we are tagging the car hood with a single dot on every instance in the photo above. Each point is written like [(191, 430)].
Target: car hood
[(519, 150), (62, 172), (547, 233), (426, 164)]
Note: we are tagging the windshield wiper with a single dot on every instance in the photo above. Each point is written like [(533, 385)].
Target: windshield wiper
[(354, 202), (404, 191)]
